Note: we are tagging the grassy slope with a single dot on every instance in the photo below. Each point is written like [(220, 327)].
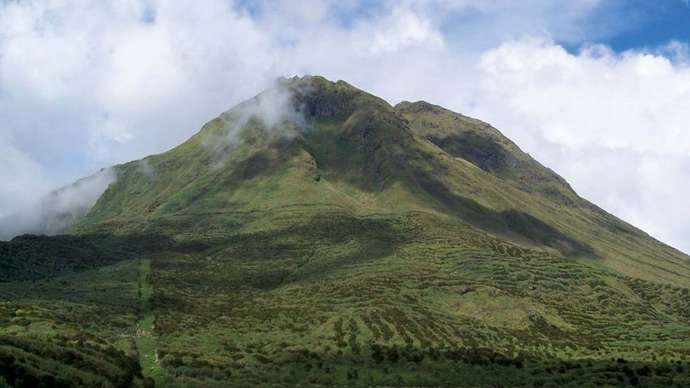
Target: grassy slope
[(357, 253), (546, 195), (73, 329), (381, 300)]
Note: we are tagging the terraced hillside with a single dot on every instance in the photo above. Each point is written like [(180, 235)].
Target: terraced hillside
[(316, 235)]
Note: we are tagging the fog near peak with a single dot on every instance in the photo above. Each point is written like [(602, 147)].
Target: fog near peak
[(272, 108), (272, 112)]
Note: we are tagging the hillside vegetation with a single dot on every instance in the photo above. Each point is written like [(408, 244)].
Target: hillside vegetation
[(344, 241)]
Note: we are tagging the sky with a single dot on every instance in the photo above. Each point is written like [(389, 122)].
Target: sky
[(597, 90)]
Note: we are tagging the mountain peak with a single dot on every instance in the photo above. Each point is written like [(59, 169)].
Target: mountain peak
[(314, 81), (318, 97), (417, 106)]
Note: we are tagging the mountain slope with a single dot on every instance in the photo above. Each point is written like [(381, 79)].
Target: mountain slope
[(316, 235), (550, 198)]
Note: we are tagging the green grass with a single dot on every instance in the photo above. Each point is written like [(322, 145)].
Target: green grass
[(145, 337), (75, 329), (392, 299), (311, 304)]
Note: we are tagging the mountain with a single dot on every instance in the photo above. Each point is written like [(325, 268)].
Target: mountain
[(372, 158), (316, 235)]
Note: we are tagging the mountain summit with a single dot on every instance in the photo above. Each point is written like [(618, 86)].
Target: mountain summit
[(316, 235)]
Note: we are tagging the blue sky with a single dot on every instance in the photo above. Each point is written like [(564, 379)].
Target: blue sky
[(647, 23), (620, 24), (597, 90)]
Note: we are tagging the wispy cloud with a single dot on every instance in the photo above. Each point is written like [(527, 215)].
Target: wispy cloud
[(55, 212)]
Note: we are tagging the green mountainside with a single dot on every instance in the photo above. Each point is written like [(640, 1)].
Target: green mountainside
[(316, 235)]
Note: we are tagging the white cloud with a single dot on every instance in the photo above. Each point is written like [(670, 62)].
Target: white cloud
[(55, 212), (403, 30), (594, 98), (614, 125), (86, 84), (22, 178)]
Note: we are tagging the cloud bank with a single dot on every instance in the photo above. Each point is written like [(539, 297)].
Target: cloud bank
[(613, 124), (88, 84), (55, 212)]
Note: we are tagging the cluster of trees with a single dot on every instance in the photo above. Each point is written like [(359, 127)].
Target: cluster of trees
[(30, 363), (31, 257), (191, 366), (472, 356)]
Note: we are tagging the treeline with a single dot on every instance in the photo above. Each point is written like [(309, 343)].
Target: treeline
[(65, 362), (31, 257)]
